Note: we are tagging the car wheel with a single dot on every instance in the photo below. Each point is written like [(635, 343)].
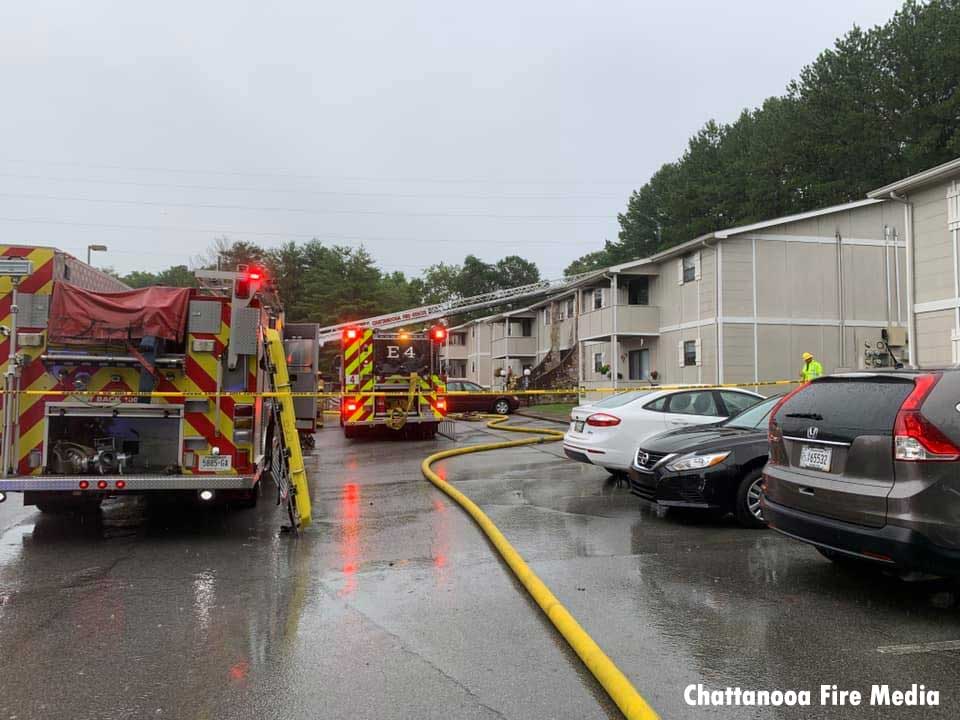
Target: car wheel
[(748, 511), (501, 407)]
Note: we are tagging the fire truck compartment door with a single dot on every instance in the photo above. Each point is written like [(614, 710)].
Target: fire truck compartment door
[(244, 327), (34, 310)]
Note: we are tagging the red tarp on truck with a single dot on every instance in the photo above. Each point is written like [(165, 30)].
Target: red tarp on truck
[(80, 316)]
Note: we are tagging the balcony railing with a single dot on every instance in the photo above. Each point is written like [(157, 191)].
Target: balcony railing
[(515, 347), (635, 319)]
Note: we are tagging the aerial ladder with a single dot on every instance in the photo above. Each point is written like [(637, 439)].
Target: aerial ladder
[(455, 306)]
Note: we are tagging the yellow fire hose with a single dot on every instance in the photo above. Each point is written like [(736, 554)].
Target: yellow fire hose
[(618, 687)]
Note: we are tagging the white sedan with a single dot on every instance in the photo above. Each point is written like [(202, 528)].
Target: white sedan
[(608, 433)]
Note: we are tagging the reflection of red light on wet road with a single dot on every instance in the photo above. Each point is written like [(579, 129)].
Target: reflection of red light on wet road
[(440, 561), (239, 671), (350, 535)]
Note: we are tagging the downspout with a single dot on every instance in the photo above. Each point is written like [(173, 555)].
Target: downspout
[(718, 309), (614, 340), (843, 344), (911, 318)]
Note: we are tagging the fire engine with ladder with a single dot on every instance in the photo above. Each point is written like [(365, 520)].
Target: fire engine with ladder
[(110, 391), (392, 379)]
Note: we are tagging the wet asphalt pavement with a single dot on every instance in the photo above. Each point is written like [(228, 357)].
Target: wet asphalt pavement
[(393, 605)]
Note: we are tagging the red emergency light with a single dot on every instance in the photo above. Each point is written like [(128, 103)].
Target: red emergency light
[(438, 333), (248, 282), (351, 407), (351, 333)]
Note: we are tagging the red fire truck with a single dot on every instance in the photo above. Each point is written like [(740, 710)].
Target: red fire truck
[(391, 378), (156, 390)]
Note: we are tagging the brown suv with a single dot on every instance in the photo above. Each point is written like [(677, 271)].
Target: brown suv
[(867, 466)]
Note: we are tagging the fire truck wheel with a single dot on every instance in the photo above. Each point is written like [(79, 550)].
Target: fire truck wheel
[(66, 506), (350, 431), (428, 431)]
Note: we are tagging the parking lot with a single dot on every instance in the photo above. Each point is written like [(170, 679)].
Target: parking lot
[(393, 605)]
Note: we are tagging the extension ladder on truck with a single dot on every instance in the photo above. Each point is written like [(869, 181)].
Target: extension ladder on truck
[(286, 455)]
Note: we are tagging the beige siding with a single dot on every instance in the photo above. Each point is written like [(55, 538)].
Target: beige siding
[(737, 353), (933, 338), (863, 223), (864, 284), (667, 293), (708, 286), (668, 359), (796, 280), (933, 256), (737, 282)]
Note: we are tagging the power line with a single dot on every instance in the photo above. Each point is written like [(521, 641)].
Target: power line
[(278, 234), (350, 178), (307, 211), (329, 193)]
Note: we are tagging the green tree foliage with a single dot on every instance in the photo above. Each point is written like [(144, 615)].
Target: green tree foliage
[(333, 284), (476, 277), (881, 104), (175, 276)]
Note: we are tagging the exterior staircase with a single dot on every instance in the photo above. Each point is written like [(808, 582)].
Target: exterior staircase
[(556, 370)]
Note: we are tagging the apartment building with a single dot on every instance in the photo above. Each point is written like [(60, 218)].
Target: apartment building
[(466, 354), (929, 203), (739, 305)]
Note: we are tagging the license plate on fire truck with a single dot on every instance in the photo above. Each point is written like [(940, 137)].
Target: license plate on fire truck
[(215, 463)]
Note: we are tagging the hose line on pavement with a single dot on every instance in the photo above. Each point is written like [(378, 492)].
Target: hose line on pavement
[(618, 687)]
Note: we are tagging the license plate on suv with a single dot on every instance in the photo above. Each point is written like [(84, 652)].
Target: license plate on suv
[(815, 457), (215, 463)]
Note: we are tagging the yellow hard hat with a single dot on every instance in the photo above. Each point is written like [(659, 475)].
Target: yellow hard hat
[(807, 356)]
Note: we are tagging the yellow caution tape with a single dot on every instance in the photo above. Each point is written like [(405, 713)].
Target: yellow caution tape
[(618, 687), (120, 394)]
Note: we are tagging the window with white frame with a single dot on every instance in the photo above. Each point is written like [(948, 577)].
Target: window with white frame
[(689, 353), (570, 308), (546, 315), (688, 268), (598, 298), (598, 362), (561, 312)]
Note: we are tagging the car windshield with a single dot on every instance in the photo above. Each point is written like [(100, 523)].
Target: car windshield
[(753, 417), (621, 399)]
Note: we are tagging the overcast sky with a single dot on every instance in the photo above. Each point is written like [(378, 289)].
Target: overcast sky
[(424, 130)]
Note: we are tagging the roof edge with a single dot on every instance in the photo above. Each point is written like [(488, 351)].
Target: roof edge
[(920, 178)]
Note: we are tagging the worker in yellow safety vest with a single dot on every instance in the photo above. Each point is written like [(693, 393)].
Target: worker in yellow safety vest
[(811, 368)]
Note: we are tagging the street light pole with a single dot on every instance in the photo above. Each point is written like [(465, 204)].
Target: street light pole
[(92, 248)]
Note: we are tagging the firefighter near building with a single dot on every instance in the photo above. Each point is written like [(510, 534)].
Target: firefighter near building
[(391, 379), (110, 391)]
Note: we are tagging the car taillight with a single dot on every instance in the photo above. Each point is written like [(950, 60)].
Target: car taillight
[(915, 438), (603, 420)]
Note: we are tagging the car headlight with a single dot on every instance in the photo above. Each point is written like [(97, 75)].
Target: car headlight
[(697, 462)]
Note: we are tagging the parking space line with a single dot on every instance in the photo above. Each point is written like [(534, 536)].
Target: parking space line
[(921, 648)]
